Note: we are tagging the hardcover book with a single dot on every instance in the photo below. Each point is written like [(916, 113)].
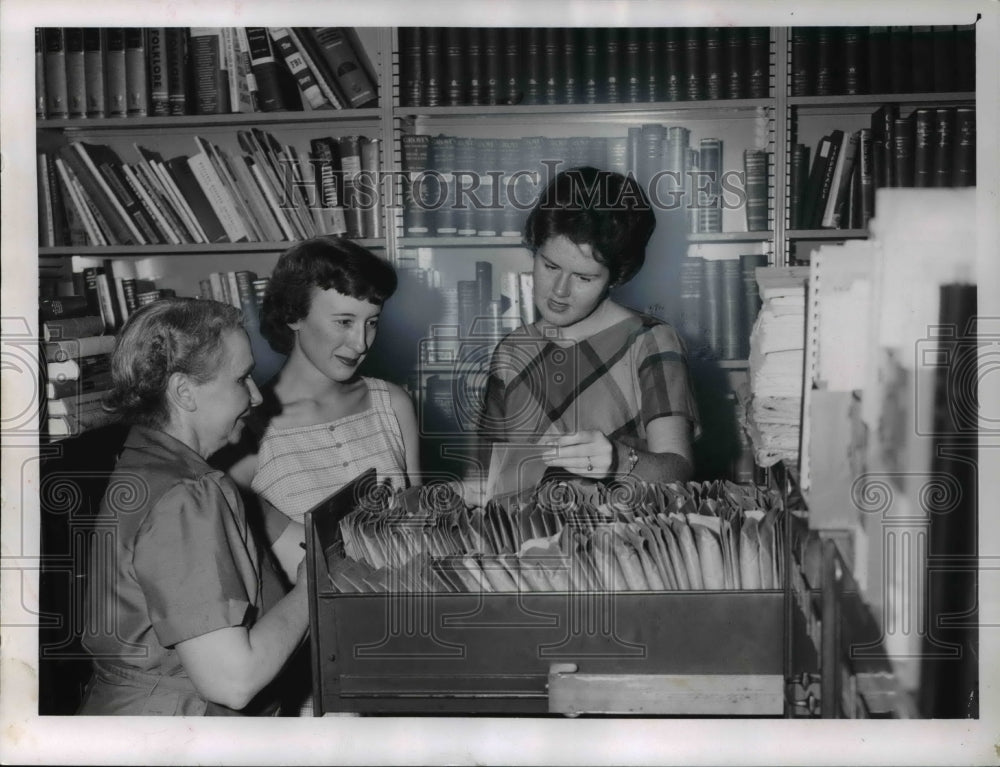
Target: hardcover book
[(76, 82)]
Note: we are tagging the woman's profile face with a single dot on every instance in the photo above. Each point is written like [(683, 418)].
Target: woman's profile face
[(569, 283), (337, 333), (225, 400)]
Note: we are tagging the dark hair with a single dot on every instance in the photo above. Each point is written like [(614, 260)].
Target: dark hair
[(603, 209), (172, 335), (324, 263)]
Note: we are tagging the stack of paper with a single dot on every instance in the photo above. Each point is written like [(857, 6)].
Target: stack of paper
[(777, 348), (565, 537)]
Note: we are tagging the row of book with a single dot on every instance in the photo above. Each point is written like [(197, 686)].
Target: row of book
[(719, 303), (101, 72), (462, 186), (831, 61), (453, 66), (676, 537), (931, 147), (266, 193)]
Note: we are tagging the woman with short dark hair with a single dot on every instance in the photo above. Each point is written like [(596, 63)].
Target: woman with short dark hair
[(190, 617), (605, 387)]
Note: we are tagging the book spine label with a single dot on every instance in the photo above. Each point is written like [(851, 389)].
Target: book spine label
[(159, 91)]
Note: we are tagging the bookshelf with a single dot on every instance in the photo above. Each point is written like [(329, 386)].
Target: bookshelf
[(773, 121)]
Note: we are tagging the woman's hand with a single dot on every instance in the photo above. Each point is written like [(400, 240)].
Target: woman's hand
[(587, 453)]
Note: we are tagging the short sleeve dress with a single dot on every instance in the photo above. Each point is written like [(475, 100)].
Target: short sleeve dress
[(617, 382), (297, 467), (172, 558)]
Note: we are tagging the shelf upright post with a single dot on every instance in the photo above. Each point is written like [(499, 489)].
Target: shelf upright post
[(389, 97), (783, 119)]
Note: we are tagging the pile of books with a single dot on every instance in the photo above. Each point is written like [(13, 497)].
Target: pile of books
[(77, 366), (773, 403), (264, 193), (454, 66), (564, 537), (100, 72)]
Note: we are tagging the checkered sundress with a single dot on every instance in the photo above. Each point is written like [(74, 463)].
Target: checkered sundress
[(298, 467)]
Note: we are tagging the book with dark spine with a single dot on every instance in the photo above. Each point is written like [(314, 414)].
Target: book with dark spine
[(944, 58), (826, 188), (62, 307), (491, 66), (691, 327), (553, 87), (454, 69), (346, 64), (533, 66), (965, 58), (136, 78), (736, 62), (612, 60), (487, 162), (803, 63), (570, 64), (633, 77), (56, 95), (798, 180), (965, 147), (827, 53), (441, 192), (411, 66), (866, 174), (694, 64), (315, 58), (474, 66), (205, 60), (589, 65), (904, 150), (76, 81), (883, 125), (266, 70), (114, 70), (511, 92), (879, 61), (433, 66), (159, 93), (923, 147), (673, 58), (922, 56), (712, 307), (710, 193), (465, 173), (367, 195), (900, 61), (511, 156), (731, 303), (855, 75), (652, 48), (714, 65), (840, 183), (759, 53), (484, 285), (177, 70), (182, 176), (416, 216), (41, 111), (350, 162), (755, 169), (295, 62)]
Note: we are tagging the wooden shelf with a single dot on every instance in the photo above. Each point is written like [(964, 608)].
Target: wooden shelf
[(186, 122), (877, 99), (140, 251), (460, 242), (731, 237)]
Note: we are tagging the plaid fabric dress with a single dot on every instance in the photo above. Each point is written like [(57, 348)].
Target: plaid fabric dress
[(298, 467), (616, 382)]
